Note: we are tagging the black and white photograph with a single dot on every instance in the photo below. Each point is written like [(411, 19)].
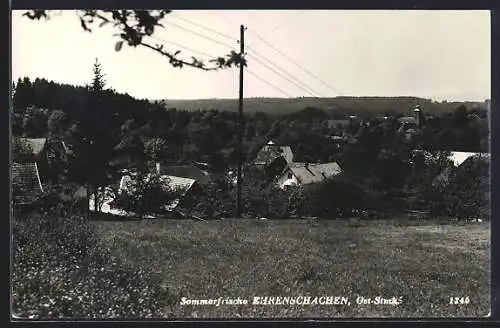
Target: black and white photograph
[(250, 164)]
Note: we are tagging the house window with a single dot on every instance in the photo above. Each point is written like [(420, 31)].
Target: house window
[(290, 175)]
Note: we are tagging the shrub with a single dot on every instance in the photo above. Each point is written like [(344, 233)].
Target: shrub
[(336, 197), (213, 200), (466, 195), (146, 193), (60, 270)]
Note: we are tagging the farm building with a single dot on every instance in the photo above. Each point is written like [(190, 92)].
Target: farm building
[(202, 177), (271, 152), (183, 185), (273, 158), (303, 173), (26, 183), (49, 156)]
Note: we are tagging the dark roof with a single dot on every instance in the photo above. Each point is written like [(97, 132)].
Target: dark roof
[(270, 152), (26, 184), (407, 120), (313, 173), (186, 171)]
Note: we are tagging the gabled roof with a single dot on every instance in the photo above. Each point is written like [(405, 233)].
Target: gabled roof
[(271, 152), (36, 144), (178, 184), (407, 120), (26, 182), (313, 173), (186, 171), (458, 157)]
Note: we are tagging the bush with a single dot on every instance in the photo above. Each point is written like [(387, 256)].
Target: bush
[(337, 197), (465, 196), (61, 271), (147, 193), (213, 200)]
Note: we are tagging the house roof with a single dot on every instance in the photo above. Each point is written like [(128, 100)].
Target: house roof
[(313, 173), (407, 120), (458, 157), (36, 145), (271, 152), (176, 183), (186, 171), (179, 183), (26, 182)]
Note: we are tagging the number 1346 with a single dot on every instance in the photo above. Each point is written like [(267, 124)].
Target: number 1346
[(459, 300)]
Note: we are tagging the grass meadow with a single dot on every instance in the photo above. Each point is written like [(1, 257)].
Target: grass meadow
[(422, 262)]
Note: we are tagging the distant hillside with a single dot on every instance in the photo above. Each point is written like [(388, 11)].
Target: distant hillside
[(340, 106)]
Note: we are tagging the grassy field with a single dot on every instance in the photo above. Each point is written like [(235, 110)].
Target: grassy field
[(423, 263)]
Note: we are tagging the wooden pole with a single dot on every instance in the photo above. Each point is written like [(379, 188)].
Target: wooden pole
[(240, 125)]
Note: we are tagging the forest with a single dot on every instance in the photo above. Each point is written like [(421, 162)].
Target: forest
[(108, 131)]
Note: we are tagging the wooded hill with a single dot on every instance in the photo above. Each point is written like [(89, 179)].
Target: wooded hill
[(334, 107)]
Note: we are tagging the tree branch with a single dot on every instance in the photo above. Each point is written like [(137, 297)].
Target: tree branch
[(133, 26), (176, 62)]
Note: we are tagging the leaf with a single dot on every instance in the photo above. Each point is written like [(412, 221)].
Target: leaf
[(104, 22), (118, 45)]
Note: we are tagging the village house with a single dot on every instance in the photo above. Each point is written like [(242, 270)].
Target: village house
[(457, 158), (26, 183), (182, 185), (410, 125), (273, 158), (50, 156), (202, 177), (304, 173)]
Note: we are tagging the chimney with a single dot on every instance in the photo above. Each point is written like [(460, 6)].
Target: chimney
[(157, 167)]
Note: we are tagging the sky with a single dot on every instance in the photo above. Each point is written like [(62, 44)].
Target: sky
[(441, 55)]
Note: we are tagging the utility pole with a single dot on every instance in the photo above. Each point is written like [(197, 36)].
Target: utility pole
[(240, 124)]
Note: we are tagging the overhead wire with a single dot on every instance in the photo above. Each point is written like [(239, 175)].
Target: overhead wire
[(295, 81), (306, 89), (213, 57), (200, 35), (290, 78), (227, 36), (284, 22)]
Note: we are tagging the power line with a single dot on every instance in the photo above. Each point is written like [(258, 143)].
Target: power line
[(268, 83), (280, 52), (211, 56), (294, 62), (183, 47), (200, 35), (287, 20), (303, 86), (304, 69), (224, 18), (284, 77), (205, 28)]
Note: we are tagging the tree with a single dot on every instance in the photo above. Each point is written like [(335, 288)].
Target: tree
[(146, 193), (94, 151), (57, 123), (156, 149), (135, 28), (460, 116), (34, 122)]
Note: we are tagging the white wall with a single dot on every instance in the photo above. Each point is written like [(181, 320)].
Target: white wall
[(284, 178)]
